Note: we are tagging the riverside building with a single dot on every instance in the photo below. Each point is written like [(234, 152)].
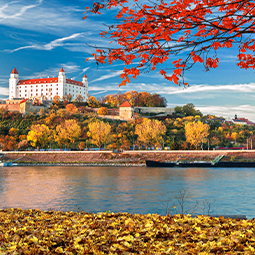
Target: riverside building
[(47, 88)]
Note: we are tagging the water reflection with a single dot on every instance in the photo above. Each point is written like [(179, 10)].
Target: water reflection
[(135, 190)]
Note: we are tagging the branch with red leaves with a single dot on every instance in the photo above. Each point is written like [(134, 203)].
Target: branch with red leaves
[(193, 30)]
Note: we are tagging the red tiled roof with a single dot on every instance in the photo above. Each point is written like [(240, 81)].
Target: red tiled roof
[(240, 120), (23, 101), (35, 81), (14, 70), (85, 76), (48, 80), (126, 104), (74, 82), (61, 70)]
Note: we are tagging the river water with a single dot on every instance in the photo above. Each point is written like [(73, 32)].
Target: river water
[(130, 189)]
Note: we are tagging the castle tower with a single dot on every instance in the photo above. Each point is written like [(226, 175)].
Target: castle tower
[(61, 83), (126, 111), (85, 84), (13, 81)]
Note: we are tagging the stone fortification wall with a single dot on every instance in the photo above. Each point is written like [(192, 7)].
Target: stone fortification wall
[(156, 110), (28, 107), (10, 107)]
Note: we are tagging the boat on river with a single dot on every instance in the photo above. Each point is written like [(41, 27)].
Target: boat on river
[(154, 163), (215, 163)]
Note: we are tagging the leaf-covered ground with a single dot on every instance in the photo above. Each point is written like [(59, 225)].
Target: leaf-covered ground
[(56, 232)]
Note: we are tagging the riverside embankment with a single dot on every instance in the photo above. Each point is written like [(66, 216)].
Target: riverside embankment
[(128, 158)]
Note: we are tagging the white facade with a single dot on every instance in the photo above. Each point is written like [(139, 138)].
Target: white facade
[(47, 87)]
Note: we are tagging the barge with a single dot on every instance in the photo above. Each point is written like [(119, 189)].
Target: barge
[(215, 163)]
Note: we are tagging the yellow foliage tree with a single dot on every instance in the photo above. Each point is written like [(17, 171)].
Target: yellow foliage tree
[(102, 111), (150, 132), (38, 135), (92, 102), (67, 132), (195, 132), (99, 132), (71, 108), (56, 99)]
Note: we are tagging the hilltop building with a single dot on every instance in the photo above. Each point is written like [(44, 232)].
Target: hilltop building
[(46, 88), (126, 111)]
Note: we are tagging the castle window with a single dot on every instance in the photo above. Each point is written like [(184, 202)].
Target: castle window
[(25, 95), (25, 90), (56, 88), (57, 93), (46, 89), (37, 94), (25, 86)]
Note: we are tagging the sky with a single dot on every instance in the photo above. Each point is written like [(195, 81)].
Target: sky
[(38, 37)]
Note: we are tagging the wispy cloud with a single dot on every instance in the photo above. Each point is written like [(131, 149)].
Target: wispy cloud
[(51, 18), (53, 71), (4, 91), (229, 111), (171, 90), (107, 76), (49, 46), (5, 10)]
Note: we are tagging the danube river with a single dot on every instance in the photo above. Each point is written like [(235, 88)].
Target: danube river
[(130, 189)]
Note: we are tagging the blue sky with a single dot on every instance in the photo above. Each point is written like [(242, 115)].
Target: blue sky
[(38, 37)]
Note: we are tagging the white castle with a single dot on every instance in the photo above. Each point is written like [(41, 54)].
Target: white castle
[(47, 87)]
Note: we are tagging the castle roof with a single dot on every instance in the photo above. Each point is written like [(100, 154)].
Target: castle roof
[(41, 80), (85, 76), (14, 70), (48, 80), (126, 104), (62, 70)]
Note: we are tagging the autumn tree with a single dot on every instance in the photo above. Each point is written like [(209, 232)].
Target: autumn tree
[(38, 135), (71, 108), (8, 143), (67, 132), (99, 132), (81, 146), (79, 98), (102, 111), (150, 132), (154, 32), (68, 98), (195, 132), (92, 102), (56, 99)]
